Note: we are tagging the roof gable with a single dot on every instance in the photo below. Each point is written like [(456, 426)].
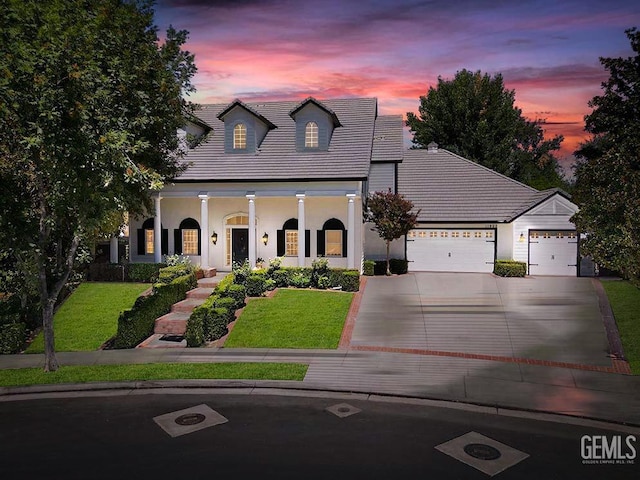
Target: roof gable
[(553, 201), (240, 104), (322, 106)]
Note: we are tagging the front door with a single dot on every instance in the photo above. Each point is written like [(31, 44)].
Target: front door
[(239, 245)]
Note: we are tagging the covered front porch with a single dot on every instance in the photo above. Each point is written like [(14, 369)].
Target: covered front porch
[(217, 225)]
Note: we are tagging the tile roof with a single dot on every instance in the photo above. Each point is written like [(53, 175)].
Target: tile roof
[(449, 188), (276, 159), (388, 144)]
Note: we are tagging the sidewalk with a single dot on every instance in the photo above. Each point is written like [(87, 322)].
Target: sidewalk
[(596, 395)]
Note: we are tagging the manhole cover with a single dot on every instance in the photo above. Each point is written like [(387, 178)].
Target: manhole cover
[(344, 409), (190, 419), (482, 451)]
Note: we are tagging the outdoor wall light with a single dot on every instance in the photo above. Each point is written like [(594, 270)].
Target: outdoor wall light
[(521, 239), (265, 238), (214, 237)]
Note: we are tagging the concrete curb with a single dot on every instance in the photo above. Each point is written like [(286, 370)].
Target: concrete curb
[(291, 388)]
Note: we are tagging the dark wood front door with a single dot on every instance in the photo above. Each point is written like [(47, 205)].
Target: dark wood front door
[(239, 245)]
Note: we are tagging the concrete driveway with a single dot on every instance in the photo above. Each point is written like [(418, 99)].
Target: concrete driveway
[(543, 318)]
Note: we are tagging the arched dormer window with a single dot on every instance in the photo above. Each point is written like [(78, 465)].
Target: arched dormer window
[(187, 237), (239, 136), (311, 135)]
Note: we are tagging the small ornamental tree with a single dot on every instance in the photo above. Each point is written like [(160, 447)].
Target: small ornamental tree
[(392, 215)]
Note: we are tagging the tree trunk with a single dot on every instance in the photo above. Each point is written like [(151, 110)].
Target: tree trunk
[(388, 267), (50, 360)]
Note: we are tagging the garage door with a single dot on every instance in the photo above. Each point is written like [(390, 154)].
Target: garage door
[(553, 252), (451, 250)]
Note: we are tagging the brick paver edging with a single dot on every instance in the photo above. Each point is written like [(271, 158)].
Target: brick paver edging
[(350, 322)]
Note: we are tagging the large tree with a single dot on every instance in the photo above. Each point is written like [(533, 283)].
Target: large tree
[(607, 174), (90, 105), (392, 216), (474, 115)]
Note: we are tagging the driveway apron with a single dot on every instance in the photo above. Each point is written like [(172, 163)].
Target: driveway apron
[(542, 318)]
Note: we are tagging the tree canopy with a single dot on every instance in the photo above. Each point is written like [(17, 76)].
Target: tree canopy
[(474, 116), (392, 216), (90, 104), (607, 174)]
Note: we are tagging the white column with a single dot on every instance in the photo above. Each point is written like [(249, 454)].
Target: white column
[(157, 231), (252, 230), (301, 227), (204, 230), (351, 231), (113, 250)]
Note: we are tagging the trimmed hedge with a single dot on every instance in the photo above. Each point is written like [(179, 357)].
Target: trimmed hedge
[(136, 324), (238, 293), (107, 272), (256, 284), (368, 267), (169, 274), (398, 266), (510, 268), (207, 322), (144, 272), (348, 280), (12, 337)]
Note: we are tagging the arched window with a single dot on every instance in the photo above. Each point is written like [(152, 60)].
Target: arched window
[(187, 238), (239, 136), (288, 239), (311, 135), (332, 239), (146, 238)]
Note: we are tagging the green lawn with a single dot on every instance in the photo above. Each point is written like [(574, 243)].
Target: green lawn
[(89, 317), (625, 303), (292, 319), (154, 371)]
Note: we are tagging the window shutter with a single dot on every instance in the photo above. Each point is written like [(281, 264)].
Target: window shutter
[(280, 248), (177, 241), (321, 247), (344, 243), (307, 243), (141, 241), (164, 243), (199, 242)]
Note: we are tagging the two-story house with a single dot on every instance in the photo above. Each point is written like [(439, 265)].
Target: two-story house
[(290, 179)]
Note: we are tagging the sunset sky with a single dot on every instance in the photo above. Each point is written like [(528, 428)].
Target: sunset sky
[(547, 51)]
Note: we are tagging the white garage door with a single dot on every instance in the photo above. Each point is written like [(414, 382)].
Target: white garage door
[(451, 250), (553, 252)]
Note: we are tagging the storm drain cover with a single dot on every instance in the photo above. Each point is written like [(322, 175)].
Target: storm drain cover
[(172, 338), (343, 410), (482, 451), (189, 420)]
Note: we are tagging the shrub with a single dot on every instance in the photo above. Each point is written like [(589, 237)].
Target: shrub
[(222, 286), (323, 282), (107, 272), (349, 280), (136, 324), (168, 274), (12, 337), (216, 323), (510, 268), (256, 284), (270, 284), (368, 267), (274, 265), (194, 334), (319, 268), (173, 260), (281, 277), (207, 322), (227, 303), (238, 293), (398, 266), (241, 271), (144, 272), (300, 277)]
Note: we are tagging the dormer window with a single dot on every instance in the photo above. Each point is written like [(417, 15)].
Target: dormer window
[(311, 135), (239, 137)]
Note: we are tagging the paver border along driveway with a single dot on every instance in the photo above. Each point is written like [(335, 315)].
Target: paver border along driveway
[(543, 318)]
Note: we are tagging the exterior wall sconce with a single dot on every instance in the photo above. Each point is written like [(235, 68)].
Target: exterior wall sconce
[(265, 238), (521, 239), (214, 237)]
